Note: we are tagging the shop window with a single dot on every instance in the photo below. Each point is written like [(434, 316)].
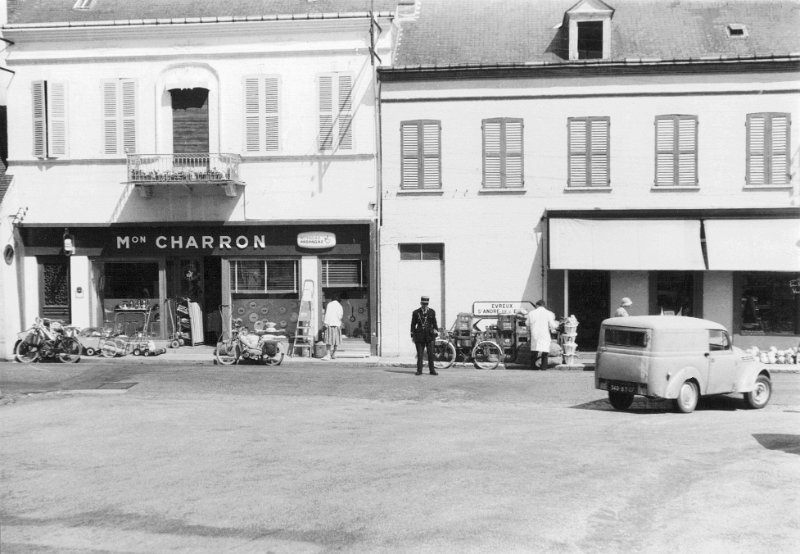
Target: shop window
[(127, 281), (264, 276), (421, 251), (676, 150), (502, 153), (768, 148), (588, 152), (767, 305), (676, 293), (420, 145), (342, 273)]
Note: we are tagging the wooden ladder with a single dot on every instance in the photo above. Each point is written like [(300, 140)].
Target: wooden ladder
[(302, 334)]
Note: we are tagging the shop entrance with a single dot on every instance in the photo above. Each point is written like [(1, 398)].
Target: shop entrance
[(54, 297), (588, 293), (676, 293)]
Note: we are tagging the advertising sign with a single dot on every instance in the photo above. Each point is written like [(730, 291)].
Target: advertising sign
[(316, 240), (493, 309)]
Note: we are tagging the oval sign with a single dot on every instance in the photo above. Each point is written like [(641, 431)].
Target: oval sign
[(316, 239)]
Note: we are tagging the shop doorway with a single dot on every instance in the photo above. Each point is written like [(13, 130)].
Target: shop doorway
[(588, 300), (676, 293), (54, 297)]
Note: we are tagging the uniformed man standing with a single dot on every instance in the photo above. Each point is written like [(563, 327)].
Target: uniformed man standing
[(424, 330)]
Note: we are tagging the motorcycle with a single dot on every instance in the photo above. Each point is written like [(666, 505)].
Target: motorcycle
[(244, 345), (47, 340)]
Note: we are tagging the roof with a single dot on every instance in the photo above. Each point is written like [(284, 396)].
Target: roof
[(662, 322), (61, 11), (492, 32)]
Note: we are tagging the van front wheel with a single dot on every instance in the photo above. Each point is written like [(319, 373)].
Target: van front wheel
[(688, 396), (620, 400), (759, 396)]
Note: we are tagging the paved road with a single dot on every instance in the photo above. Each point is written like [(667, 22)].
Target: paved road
[(333, 458)]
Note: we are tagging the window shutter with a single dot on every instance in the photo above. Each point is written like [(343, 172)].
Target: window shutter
[(129, 116), (271, 114), (411, 154), (665, 154), (252, 115), (110, 131), (431, 171), (39, 119), (57, 119), (326, 112), (599, 148), (345, 111), (577, 153), (491, 154), (756, 149), (779, 159), (342, 273), (687, 151), (514, 149)]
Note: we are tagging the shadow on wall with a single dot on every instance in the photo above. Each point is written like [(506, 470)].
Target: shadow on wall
[(176, 203)]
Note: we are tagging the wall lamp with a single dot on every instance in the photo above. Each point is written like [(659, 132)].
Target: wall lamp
[(69, 243)]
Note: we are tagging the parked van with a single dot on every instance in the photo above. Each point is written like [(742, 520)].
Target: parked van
[(675, 357)]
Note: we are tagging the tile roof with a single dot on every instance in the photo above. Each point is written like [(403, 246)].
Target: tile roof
[(490, 32), (61, 11)]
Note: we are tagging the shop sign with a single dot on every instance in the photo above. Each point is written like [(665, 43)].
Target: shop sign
[(493, 309), (191, 242), (316, 240)]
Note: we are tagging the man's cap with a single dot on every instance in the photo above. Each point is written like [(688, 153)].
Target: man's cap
[(626, 302), (424, 300)]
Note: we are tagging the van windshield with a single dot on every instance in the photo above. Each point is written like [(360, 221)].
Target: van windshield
[(625, 337)]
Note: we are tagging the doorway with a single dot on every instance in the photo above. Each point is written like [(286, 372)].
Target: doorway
[(54, 289), (190, 134), (588, 300), (421, 273), (676, 293)]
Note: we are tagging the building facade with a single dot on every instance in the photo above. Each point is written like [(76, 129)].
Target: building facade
[(224, 155), (585, 152)]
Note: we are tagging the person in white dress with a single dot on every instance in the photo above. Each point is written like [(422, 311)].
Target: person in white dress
[(333, 327)]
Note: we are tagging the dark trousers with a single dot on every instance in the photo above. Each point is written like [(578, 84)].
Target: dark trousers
[(535, 355), (421, 346)]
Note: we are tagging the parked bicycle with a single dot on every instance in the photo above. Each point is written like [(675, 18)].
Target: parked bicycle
[(246, 345), (463, 344), (48, 340)]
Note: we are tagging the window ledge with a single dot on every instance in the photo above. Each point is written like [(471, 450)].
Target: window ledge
[(767, 187), (501, 191), (420, 192), (663, 188), (587, 189)]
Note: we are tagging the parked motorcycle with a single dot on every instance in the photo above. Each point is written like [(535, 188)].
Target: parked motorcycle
[(244, 345), (48, 340)]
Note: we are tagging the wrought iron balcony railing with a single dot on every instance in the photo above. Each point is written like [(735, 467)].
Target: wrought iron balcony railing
[(151, 170)]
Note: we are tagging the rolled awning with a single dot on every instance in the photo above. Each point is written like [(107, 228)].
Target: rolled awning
[(753, 244), (187, 78), (626, 244)]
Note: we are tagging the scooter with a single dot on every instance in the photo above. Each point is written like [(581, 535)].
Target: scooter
[(244, 345)]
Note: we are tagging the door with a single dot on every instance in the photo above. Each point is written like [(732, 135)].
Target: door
[(421, 274), (190, 121), (54, 287), (588, 293), (722, 363)]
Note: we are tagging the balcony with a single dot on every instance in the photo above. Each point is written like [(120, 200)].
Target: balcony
[(150, 171)]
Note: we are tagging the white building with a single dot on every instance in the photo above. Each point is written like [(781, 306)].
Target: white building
[(584, 152), (224, 153)]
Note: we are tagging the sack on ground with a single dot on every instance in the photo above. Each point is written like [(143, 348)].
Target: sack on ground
[(555, 348)]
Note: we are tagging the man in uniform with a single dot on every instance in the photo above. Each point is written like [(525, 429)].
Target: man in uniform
[(424, 329)]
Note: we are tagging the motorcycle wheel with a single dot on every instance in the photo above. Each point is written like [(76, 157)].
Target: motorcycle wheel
[(226, 352), (70, 351), (25, 353)]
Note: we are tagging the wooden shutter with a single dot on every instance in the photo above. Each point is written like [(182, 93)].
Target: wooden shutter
[(599, 175), (252, 115), (687, 151), (665, 151), (271, 114), (39, 93), (502, 153), (345, 114), (326, 112), (431, 148), (110, 130), (779, 151), (492, 154), (578, 153), (128, 116), (411, 154), (676, 150), (514, 153), (342, 273), (57, 119)]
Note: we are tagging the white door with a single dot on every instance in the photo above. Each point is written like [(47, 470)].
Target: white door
[(417, 278)]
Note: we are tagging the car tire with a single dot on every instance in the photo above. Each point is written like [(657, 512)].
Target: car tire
[(620, 400), (688, 395), (760, 395)]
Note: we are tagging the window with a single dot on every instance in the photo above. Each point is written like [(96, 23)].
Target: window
[(342, 273), (767, 305), (588, 151), (768, 148), (421, 153), (261, 119), (676, 150), (49, 119), (736, 30), (83, 4), (590, 40), (264, 276), (335, 112), (502, 153), (421, 251), (718, 340), (119, 116), (127, 280), (624, 337)]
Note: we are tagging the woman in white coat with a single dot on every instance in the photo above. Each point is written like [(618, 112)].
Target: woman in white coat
[(541, 322)]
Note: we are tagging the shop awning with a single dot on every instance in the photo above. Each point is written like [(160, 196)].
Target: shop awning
[(626, 244), (753, 244)]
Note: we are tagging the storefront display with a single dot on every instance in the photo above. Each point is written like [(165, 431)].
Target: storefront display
[(766, 304)]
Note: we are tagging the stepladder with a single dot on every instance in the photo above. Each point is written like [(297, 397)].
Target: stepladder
[(303, 339)]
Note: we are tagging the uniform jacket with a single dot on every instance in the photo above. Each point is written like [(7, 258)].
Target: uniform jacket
[(424, 327)]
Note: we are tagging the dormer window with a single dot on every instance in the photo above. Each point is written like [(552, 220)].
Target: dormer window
[(589, 28), (736, 30), (83, 4)]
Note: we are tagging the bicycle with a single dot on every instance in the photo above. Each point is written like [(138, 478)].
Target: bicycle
[(476, 348), (46, 340)]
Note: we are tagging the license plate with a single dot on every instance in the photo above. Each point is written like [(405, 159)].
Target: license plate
[(622, 387)]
